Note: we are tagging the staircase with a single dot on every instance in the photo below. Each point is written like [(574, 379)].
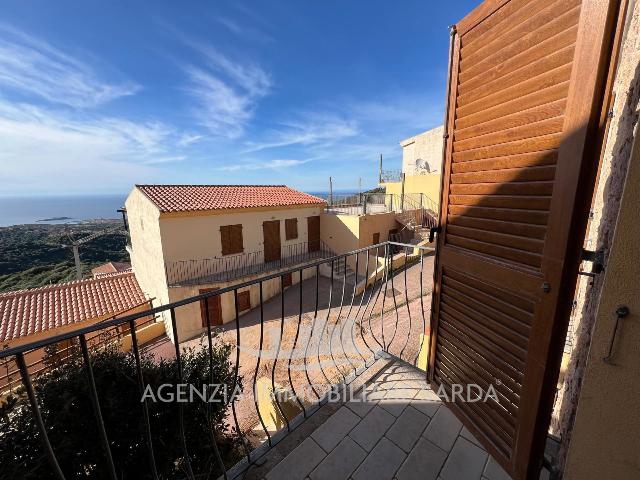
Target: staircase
[(418, 221), (339, 268)]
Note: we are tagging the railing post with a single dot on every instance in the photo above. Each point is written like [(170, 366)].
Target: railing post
[(402, 192)]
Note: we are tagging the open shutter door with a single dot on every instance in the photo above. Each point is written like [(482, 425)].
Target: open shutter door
[(526, 89)]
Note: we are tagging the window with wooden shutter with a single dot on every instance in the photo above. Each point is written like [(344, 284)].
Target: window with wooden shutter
[(231, 239), (376, 238), (291, 228), (244, 301)]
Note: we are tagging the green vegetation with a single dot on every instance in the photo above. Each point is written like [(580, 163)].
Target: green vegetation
[(33, 255), (65, 402)]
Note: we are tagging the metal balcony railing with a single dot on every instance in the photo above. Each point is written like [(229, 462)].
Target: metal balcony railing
[(387, 176), (311, 340), (234, 267), (372, 203)]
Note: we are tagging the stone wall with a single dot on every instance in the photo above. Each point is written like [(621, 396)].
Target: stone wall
[(605, 210)]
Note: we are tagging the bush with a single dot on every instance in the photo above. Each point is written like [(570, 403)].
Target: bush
[(65, 402)]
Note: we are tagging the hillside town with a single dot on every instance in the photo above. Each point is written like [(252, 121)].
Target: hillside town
[(470, 315)]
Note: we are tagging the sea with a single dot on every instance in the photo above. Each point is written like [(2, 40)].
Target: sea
[(59, 209), (73, 209)]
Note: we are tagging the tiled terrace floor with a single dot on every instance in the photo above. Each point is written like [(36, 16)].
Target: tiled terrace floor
[(402, 431)]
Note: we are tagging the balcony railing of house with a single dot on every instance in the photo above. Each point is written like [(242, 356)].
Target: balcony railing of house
[(234, 267), (372, 203), (387, 176), (316, 338)]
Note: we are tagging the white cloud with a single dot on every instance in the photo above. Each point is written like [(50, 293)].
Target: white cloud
[(308, 129), (226, 91), (47, 150), (263, 165), (35, 68)]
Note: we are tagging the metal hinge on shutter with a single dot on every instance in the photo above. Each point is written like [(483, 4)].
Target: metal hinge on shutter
[(596, 257)]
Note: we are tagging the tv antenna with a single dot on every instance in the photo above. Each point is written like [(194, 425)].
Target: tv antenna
[(75, 244)]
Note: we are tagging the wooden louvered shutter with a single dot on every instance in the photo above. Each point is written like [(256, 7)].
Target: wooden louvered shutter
[(526, 90), (291, 228), (313, 233), (231, 239)]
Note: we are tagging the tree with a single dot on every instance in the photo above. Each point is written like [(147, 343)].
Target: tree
[(64, 398)]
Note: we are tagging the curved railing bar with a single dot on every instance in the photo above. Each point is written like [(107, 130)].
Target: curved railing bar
[(406, 299), (377, 297), (235, 375), (255, 374), (349, 319), (293, 349), (313, 329), (424, 320), (145, 408), (174, 327), (326, 320), (335, 325), (275, 361), (42, 430), (395, 303), (364, 291)]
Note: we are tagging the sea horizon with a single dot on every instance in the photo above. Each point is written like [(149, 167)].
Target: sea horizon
[(76, 208)]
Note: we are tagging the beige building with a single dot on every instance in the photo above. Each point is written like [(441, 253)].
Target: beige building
[(422, 153), (189, 239), (421, 168)]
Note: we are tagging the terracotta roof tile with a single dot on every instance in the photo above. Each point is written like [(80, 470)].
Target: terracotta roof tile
[(185, 198), (110, 267), (27, 312)]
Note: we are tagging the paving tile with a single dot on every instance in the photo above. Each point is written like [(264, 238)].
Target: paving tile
[(467, 434), (331, 432), (397, 399), (372, 428), (379, 389), (465, 462), (423, 463), (443, 428), (381, 463), (407, 429), (493, 471), (340, 463), (299, 463), (361, 404), (426, 401)]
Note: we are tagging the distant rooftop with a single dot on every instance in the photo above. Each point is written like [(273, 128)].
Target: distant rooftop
[(36, 310), (186, 198), (110, 268)]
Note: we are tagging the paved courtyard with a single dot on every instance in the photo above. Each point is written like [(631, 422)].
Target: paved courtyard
[(402, 431), (330, 342)]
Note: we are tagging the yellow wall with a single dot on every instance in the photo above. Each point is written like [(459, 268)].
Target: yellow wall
[(193, 237), (189, 317), (606, 432), (146, 252), (345, 233), (428, 184)]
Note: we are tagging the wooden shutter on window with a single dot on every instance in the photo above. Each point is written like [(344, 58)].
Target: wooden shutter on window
[(525, 94), (244, 301), (291, 228), (313, 232), (231, 239)]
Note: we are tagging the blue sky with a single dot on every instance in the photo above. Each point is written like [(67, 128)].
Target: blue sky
[(96, 96)]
